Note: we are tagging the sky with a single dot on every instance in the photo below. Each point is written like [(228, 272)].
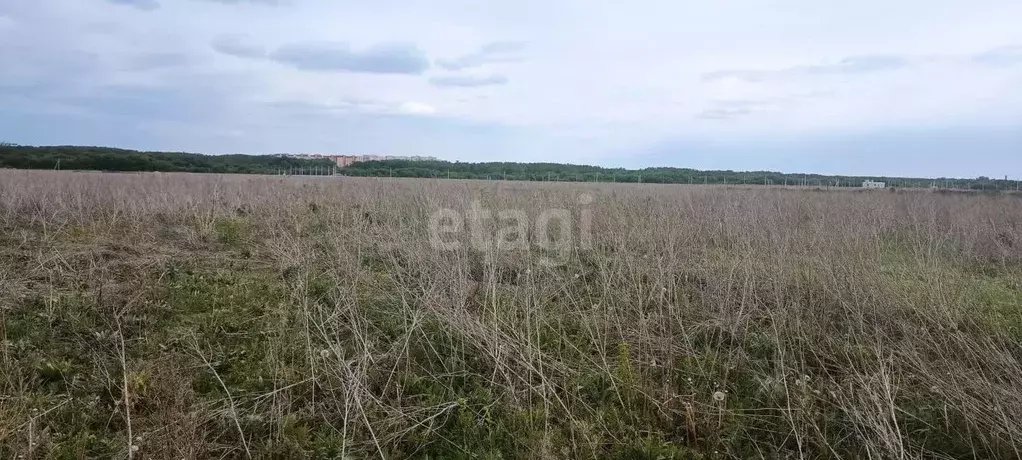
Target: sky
[(872, 87)]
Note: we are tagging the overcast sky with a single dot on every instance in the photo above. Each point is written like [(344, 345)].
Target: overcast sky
[(885, 87)]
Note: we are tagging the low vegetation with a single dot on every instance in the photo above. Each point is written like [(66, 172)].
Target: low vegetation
[(198, 316)]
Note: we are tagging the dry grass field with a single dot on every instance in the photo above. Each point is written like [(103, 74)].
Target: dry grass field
[(196, 316)]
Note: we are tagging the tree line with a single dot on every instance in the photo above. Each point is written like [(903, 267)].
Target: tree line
[(111, 159), (656, 175)]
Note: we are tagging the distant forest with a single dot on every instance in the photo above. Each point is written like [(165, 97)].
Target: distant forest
[(577, 173), (111, 159)]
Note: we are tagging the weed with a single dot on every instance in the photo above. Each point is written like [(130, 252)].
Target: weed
[(306, 319)]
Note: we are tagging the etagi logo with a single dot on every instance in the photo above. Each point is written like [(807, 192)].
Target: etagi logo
[(553, 233)]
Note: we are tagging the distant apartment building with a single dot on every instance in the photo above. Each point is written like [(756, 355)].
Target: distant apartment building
[(347, 160), (874, 184)]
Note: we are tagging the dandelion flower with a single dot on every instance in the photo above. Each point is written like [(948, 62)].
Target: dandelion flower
[(719, 396)]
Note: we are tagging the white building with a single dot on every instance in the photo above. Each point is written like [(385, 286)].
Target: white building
[(348, 160), (874, 184)]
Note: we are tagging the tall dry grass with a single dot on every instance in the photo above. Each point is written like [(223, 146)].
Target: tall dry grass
[(193, 316)]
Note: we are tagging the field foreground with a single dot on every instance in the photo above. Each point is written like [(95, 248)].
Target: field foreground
[(197, 316)]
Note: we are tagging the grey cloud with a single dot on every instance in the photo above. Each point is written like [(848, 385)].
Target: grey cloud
[(494, 52), (235, 46), (502, 47), (48, 77), (729, 109), (849, 65), (157, 61), (1004, 56), (318, 110), (260, 2), (860, 64), (168, 104), (748, 75), (190, 103), (724, 113), (147, 5), (735, 108), (395, 58), (47, 65), (467, 81)]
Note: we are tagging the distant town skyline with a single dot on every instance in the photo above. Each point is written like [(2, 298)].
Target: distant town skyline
[(342, 160)]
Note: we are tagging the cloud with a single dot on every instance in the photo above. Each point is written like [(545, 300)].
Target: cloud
[(860, 64), (726, 110), (1000, 57), (736, 108), (393, 58), (416, 108), (154, 61), (6, 22), (145, 5), (347, 107), (320, 109), (724, 113), (150, 5), (467, 81), (153, 104), (494, 52), (235, 46), (262, 2), (849, 65)]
